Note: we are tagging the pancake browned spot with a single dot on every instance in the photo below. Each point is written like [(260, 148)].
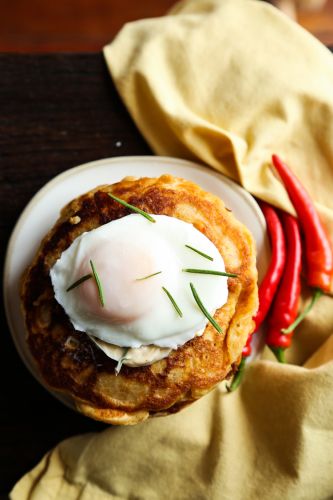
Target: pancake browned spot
[(70, 362)]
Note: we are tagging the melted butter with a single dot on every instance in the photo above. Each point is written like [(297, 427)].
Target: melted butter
[(135, 357)]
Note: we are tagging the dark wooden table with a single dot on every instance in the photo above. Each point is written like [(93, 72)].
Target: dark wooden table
[(56, 111)]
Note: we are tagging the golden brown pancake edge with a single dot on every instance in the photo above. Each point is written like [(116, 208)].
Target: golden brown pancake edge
[(69, 362)]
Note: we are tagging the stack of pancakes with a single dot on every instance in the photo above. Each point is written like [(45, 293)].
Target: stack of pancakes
[(70, 362)]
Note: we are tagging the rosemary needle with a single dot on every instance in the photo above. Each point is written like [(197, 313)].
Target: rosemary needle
[(79, 281), (132, 207), (98, 283), (204, 310), (209, 271), (199, 252), (173, 302), (149, 276)]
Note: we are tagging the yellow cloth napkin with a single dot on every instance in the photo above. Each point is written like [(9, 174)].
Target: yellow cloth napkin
[(226, 82)]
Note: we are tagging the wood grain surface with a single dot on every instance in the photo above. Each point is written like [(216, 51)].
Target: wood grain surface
[(57, 111), (76, 25), (86, 25)]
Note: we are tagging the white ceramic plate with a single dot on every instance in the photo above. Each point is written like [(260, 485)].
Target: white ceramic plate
[(43, 210)]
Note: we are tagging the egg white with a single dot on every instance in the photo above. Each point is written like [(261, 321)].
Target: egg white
[(138, 312)]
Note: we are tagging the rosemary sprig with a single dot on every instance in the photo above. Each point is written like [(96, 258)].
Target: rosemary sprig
[(209, 271), (121, 361), (79, 281), (173, 302), (204, 310), (199, 252), (149, 276), (98, 283), (132, 207)]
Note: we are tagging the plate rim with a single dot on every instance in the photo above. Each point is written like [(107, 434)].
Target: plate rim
[(123, 159), (62, 176)]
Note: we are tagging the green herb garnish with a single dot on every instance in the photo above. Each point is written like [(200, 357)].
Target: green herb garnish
[(199, 252), (208, 271), (204, 310), (120, 362), (132, 207), (78, 282), (98, 283), (149, 276), (173, 302)]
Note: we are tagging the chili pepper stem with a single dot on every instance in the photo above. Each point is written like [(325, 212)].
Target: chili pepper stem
[(279, 354), (317, 293), (238, 377)]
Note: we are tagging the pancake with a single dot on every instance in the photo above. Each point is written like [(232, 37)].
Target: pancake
[(70, 362)]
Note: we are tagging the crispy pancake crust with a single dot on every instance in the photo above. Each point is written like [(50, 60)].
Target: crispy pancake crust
[(70, 362)]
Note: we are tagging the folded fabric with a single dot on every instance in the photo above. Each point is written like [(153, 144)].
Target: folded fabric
[(271, 439), (226, 83)]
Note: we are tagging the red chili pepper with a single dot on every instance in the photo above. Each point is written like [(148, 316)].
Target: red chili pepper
[(319, 256), (268, 285), (272, 278), (286, 302), (247, 349)]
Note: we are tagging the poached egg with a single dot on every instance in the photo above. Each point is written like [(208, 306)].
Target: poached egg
[(137, 262)]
